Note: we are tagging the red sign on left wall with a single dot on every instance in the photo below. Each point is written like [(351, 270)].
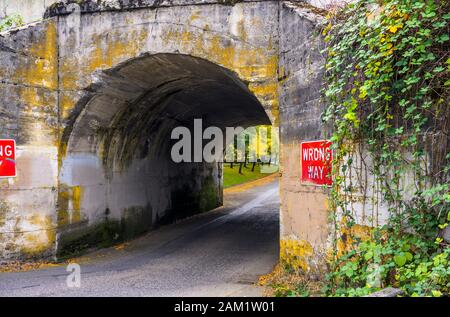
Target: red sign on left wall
[(8, 158)]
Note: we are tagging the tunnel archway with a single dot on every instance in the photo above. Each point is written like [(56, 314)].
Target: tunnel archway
[(117, 179)]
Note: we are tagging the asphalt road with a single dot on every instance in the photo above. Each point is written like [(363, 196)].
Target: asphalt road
[(220, 253)]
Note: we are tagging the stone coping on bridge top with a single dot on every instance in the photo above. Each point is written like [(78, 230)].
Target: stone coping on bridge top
[(89, 6)]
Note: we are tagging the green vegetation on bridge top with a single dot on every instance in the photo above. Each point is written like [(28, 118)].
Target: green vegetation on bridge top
[(11, 21)]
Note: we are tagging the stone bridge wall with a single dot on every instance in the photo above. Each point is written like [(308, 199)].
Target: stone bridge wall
[(29, 113)]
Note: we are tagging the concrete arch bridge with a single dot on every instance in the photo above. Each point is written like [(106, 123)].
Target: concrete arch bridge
[(91, 97)]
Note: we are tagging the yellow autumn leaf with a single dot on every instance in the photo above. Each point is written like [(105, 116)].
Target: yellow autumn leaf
[(393, 29), (390, 52), (326, 29), (362, 93)]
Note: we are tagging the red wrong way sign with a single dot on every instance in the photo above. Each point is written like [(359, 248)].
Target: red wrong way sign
[(7, 158), (316, 162)]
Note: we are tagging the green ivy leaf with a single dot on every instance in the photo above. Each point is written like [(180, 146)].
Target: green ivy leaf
[(408, 256), (368, 255), (443, 38), (400, 260), (436, 293)]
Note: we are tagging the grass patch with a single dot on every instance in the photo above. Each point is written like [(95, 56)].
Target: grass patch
[(231, 176)]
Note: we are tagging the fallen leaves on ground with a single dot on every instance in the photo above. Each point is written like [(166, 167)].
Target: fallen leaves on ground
[(281, 282), (121, 246), (20, 266)]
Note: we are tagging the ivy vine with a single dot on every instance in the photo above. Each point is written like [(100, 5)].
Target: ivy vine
[(11, 21), (387, 91)]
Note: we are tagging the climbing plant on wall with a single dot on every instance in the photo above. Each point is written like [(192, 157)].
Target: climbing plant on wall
[(387, 90), (11, 21)]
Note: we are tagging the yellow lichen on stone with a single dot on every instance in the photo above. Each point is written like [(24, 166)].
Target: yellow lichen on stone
[(250, 63), (38, 73), (63, 206), (77, 194), (41, 69), (41, 236), (349, 236), (195, 16), (66, 105), (118, 48), (107, 52), (62, 152), (69, 204), (68, 75), (101, 59), (39, 107), (267, 94), (295, 254)]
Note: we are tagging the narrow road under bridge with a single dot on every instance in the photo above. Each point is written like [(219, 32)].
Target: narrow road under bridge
[(220, 253)]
